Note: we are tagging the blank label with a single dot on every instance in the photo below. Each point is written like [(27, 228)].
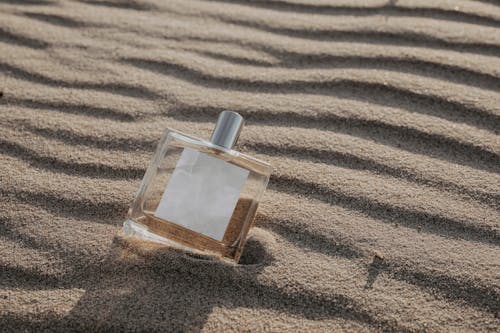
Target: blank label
[(202, 193)]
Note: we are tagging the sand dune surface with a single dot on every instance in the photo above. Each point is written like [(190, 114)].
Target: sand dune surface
[(381, 120)]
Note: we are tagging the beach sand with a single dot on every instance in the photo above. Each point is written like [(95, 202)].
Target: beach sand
[(381, 119)]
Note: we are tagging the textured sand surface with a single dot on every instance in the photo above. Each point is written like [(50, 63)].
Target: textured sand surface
[(381, 119)]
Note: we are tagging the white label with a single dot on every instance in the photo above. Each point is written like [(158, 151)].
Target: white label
[(202, 193)]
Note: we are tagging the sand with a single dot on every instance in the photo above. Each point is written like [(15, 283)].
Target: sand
[(382, 122)]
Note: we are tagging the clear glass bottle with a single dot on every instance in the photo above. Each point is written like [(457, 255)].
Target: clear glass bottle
[(200, 195)]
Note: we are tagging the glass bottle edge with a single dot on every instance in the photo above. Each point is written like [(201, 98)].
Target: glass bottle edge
[(232, 152)]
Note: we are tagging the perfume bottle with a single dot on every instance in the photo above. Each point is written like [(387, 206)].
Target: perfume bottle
[(200, 195)]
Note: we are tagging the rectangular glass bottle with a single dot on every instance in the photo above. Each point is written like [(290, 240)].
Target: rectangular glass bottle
[(200, 195)]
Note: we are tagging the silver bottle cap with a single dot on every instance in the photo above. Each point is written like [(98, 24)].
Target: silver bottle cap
[(227, 130)]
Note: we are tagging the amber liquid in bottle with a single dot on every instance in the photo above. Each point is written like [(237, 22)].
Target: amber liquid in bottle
[(230, 245)]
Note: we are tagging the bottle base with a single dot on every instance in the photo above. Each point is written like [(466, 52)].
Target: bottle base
[(132, 229), (137, 230)]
